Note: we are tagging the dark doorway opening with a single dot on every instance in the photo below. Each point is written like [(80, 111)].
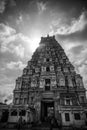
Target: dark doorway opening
[(47, 111), (5, 115), (47, 84), (48, 69)]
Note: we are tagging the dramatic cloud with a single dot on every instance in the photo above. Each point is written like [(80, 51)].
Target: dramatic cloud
[(15, 43), (76, 25), (6, 30), (15, 65), (14, 49)]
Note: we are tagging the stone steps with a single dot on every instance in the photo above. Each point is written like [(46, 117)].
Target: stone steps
[(39, 128), (44, 128)]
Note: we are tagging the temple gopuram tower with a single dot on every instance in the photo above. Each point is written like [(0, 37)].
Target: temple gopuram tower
[(49, 87)]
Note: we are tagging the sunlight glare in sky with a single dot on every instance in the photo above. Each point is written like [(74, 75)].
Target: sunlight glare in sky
[(34, 43)]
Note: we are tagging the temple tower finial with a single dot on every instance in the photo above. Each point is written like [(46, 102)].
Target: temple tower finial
[(47, 35)]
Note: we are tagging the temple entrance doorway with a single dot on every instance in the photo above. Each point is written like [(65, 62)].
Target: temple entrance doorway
[(47, 110), (5, 115)]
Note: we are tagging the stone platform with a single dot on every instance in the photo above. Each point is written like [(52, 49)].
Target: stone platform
[(43, 126)]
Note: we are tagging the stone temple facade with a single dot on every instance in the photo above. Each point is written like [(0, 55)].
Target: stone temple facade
[(49, 86)]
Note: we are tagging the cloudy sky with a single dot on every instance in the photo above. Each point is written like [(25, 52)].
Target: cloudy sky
[(23, 22)]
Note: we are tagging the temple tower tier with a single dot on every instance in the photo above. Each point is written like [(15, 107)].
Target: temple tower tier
[(50, 87)]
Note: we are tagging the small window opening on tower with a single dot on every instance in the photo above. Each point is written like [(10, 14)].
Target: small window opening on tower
[(47, 69), (82, 99), (47, 60), (14, 113), (47, 81), (77, 116), (47, 84), (47, 52), (67, 101), (67, 117), (22, 113)]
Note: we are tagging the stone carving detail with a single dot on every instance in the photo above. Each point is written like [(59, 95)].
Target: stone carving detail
[(49, 75), (53, 81), (70, 81), (33, 82), (42, 83), (79, 81), (18, 83), (61, 81)]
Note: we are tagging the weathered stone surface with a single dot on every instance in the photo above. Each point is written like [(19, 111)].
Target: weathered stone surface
[(49, 81)]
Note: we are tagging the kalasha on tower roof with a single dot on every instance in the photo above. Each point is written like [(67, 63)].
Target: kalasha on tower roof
[(47, 39)]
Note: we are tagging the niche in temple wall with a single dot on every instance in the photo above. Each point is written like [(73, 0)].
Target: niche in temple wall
[(67, 61), (34, 82), (36, 70), (42, 83), (65, 70), (59, 68), (29, 63), (56, 60), (61, 80), (51, 68), (16, 101), (79, 82), (18, 86), (53, 81), (25, 83), (24, 71), (22, 95), (16, 95), (18, 83), (37, 106), (61, 61), (72, 69), (70, 81), (64, 56), (24, 86), (30, 72), (43, 69)]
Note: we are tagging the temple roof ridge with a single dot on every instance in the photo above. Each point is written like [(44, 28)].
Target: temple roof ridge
[(47, 39)]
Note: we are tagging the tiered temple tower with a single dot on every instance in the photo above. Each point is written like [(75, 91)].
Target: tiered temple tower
[(49, 86)]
